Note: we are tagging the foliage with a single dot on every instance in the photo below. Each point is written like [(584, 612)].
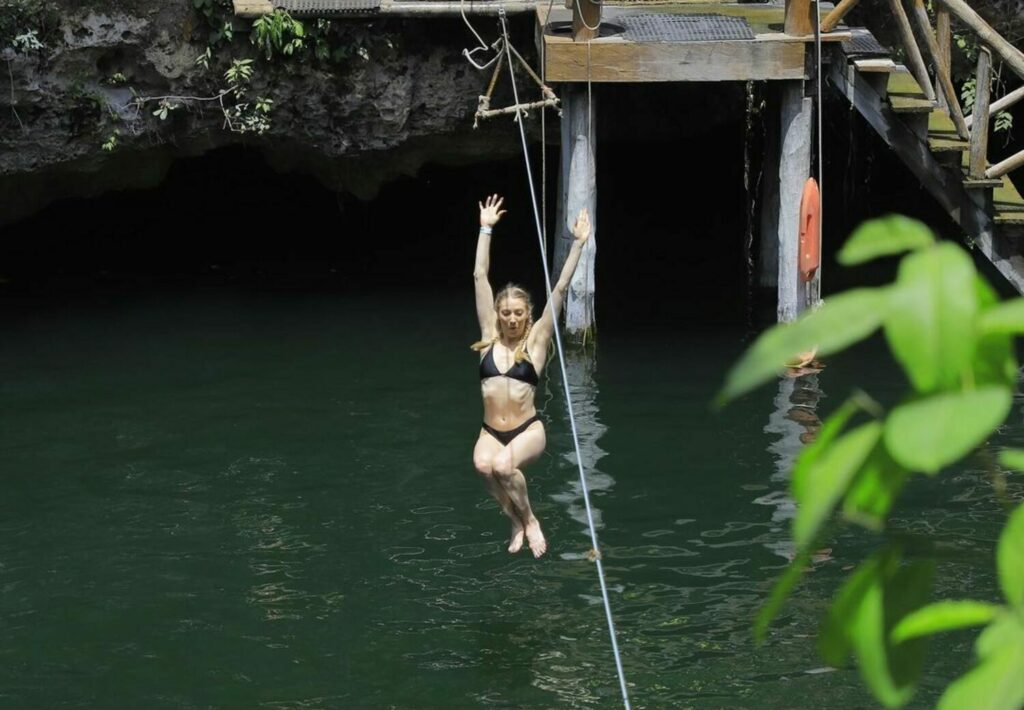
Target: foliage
[(21, 17), (278, 33), (954, 340), (1003, 120)]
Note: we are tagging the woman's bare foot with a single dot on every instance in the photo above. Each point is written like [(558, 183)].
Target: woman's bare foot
[(538, 545), (516, 543)]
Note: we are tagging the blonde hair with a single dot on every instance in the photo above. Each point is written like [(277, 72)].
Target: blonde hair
[(510, 291)]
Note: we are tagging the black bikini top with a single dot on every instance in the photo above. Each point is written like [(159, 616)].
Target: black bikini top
[(523, 371)]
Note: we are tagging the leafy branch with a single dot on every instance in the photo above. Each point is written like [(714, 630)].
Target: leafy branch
[(953, 338)]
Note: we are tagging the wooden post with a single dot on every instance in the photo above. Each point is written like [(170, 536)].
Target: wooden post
[(586, 19), (917, 67), (794, 169), (941, 69), (944, 36), (979, 134), (579, 171), (838, 13), (1013, 57), (799, 19)]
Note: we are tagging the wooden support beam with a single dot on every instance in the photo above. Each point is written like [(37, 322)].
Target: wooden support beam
[(252, 8), (941, 69), (580, 192), (916, 62), (979, 134), (799, 17), (1009, 100), (944, 36), (833, 18), (586, 20), (1012, 163), (613, 60), (794, 168), (1013, 57)]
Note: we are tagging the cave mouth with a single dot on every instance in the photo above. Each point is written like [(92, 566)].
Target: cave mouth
[(672, 219)]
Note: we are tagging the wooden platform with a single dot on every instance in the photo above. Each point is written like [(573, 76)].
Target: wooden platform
[(768, 55)]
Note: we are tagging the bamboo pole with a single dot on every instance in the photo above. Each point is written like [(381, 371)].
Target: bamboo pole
[(917, 66), (944, 34), (1013, 57), (838, 13), (1012, 163), (1009, 100), (979, 135), (941, 70)]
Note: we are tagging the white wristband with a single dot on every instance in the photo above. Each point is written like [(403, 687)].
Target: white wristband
[(485, 230)]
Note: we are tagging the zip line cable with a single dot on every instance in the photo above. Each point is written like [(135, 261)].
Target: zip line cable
[(596, 553)]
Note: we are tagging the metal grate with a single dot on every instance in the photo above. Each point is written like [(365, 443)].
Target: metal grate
[(326, 8), (684, 28), (864, 44)]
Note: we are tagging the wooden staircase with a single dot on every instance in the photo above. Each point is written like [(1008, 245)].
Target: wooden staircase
[(921, 132)]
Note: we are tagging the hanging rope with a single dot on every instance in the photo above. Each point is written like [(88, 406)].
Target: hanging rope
[(595, 553), (821, 169)]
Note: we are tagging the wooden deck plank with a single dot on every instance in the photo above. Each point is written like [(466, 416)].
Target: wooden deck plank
[(615, 59), (1008, 203), (618, 61)]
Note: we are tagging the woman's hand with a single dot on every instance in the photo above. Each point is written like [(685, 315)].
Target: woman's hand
[(581, 230), (490, 210)]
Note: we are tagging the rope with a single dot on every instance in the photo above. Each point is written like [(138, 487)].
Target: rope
[(821, 169), (595, 550)]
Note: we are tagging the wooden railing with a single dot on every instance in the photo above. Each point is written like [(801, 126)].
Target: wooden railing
[(973, 128)]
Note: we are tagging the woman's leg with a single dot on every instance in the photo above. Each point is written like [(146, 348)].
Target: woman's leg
[(507, 465), (484, 453)]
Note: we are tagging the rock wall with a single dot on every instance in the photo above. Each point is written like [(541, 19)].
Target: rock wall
[(395, 94)]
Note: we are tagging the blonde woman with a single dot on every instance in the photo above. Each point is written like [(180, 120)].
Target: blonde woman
[(514, 349)]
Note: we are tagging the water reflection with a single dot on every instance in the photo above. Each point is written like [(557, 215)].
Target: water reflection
[(579, 367), (793, 423)]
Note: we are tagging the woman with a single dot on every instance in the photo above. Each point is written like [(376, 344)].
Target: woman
[(514, 351)]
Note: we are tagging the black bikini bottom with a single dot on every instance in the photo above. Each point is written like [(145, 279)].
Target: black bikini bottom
[(506, 437)]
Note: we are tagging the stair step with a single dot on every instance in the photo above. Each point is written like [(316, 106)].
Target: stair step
[(981, 183), (942, 135), (1008, 204), (906, 96), (883, 65)]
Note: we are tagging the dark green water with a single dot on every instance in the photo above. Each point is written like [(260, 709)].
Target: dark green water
[(248, 501)]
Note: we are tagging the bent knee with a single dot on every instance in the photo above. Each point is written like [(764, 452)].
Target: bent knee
[(483, 465), (503, 466)]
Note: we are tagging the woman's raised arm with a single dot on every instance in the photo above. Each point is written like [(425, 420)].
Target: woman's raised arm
[(543, 329), (490, 213)]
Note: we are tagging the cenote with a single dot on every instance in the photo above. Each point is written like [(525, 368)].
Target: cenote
[(238, 412)]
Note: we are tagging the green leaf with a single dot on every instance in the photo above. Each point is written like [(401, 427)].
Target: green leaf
[(1010, 559), (994, 360), (929, 433), (1012, 458), (782, 589), (830, 430), (1006, 630), (944, 616), (878, 593), (997, 683), (1006, 318), (887, 236), (930, 322), (822, 485), (842, 321), (874, 490)]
